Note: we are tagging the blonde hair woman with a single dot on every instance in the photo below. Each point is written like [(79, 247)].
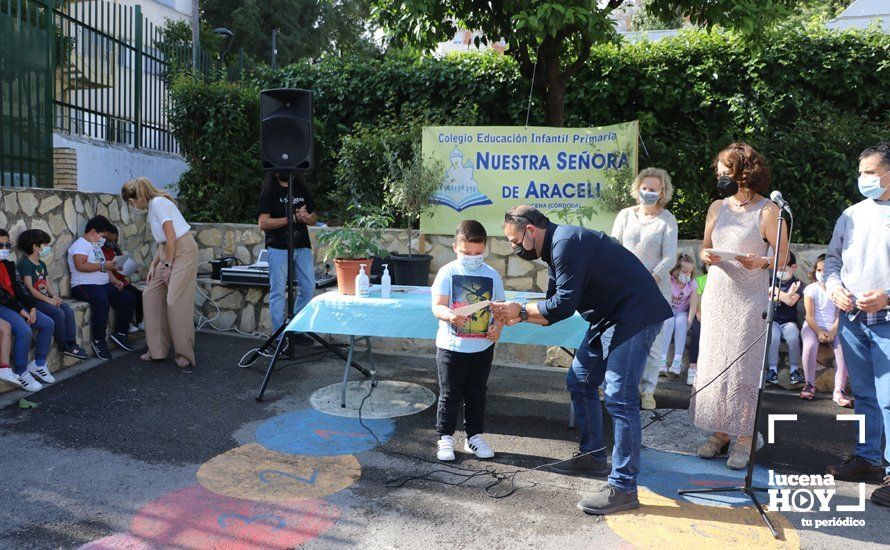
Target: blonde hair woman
[(650, 232), (168, 300)]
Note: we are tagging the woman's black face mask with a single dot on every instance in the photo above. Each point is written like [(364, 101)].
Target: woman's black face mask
[(726, 186)]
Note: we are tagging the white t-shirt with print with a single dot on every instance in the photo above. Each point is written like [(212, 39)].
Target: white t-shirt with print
[(825, 311), (464, 287), (160, 210), (94, 256)]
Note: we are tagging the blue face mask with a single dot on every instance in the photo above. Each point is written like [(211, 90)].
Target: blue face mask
[(870, 186), (472, 263), (649, 198), (4, 254), (100, 243), (45, 251)]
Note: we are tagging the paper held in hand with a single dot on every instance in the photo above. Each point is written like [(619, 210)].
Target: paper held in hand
[(725, 253), (470, 309)]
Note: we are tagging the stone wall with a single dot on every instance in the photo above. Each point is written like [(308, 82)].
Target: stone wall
[(63, 214), (244, 241)]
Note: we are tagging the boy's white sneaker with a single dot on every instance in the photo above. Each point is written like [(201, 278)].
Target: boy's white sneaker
[(27, 382), (41, 372), (478, 447), (445, 450), (7, 375)]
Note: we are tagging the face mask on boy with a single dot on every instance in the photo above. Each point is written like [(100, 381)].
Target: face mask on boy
[(4, 254), (45, 251), (471, 263)]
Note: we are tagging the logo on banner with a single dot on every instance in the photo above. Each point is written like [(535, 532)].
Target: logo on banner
[(459, 190)]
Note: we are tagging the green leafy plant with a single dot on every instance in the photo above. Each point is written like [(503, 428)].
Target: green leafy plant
[(576, 216), (359, 238), (411, 184)]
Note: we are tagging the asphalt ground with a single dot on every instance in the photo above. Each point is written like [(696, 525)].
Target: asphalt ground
[(107, 441)]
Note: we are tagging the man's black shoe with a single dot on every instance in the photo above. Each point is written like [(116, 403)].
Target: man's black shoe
[(122, 340), (855, 468), (881, 495), (608, 501), (582, 464), (101, 349), (301, 339)]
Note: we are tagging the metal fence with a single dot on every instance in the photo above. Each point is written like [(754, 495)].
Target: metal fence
[(90, 68), (26, 92)]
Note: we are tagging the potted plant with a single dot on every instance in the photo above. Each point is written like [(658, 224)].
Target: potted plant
[(410, 186), (355, 244)]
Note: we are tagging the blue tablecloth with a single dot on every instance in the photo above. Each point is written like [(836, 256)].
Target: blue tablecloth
[(406, 314)]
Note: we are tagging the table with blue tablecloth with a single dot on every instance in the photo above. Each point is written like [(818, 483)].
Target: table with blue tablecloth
[(407, 314)]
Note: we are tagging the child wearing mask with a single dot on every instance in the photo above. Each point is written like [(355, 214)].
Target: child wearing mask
[(821, 327), (785, 325), (34, 246), (111, 250), (684, 305), (17, 308), (465, 342)]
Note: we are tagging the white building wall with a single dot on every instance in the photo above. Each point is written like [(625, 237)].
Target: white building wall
[(103, 167)]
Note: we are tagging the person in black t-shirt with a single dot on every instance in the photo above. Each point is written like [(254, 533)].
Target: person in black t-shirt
[(785, 326), (273, 221)]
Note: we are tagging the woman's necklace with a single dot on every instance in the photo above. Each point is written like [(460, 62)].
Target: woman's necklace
[(741, 204)]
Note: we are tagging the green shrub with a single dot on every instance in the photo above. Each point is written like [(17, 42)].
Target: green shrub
[(216, 125), (809, 98)]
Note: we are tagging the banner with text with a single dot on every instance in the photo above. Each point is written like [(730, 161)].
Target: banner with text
[(568, 173)]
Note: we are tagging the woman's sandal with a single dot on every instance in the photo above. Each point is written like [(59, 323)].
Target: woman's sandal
[(145, 357), (714, 446), (738, 459), (183, 363)]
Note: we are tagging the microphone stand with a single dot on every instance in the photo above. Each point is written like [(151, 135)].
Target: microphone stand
[(749, 488)]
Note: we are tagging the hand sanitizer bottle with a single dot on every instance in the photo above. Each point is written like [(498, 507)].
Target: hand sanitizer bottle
[(362, 283), (385, 283)]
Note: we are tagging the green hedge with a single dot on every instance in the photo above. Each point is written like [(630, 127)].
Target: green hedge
[(809, 99), (217, 127)]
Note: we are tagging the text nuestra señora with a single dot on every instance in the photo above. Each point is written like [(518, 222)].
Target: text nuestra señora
[(564, 161)]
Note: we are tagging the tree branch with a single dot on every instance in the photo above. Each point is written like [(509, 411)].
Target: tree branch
[(583, 55)]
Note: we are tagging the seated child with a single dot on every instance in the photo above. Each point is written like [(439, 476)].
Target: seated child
[(92, 282), (465, 342), (17, 308), (821, 327), (110, 250), (684, 305), (785, 325), (34, 245)]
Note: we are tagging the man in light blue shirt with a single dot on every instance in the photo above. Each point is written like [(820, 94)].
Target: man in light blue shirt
[(857, 276)]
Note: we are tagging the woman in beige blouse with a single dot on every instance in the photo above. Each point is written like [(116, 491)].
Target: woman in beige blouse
[(650, 232)]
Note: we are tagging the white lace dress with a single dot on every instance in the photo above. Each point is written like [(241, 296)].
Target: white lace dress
[(732, 309)]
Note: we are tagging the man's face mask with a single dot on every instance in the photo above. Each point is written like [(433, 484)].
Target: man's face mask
[(522, 252), (870, 186)]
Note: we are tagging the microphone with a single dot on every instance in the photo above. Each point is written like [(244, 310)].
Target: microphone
[(776, 197)]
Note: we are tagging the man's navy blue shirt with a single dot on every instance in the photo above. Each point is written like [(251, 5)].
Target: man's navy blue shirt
[(593, 274)]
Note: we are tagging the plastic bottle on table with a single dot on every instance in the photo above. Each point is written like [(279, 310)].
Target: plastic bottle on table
[(362, 283), (385, 283)]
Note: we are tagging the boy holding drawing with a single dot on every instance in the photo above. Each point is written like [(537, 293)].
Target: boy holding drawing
[(465, 341)]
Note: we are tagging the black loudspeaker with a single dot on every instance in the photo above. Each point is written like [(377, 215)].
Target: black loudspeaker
[(286, 129)]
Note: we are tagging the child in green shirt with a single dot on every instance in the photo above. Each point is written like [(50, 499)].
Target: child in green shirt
[(34, 245)]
